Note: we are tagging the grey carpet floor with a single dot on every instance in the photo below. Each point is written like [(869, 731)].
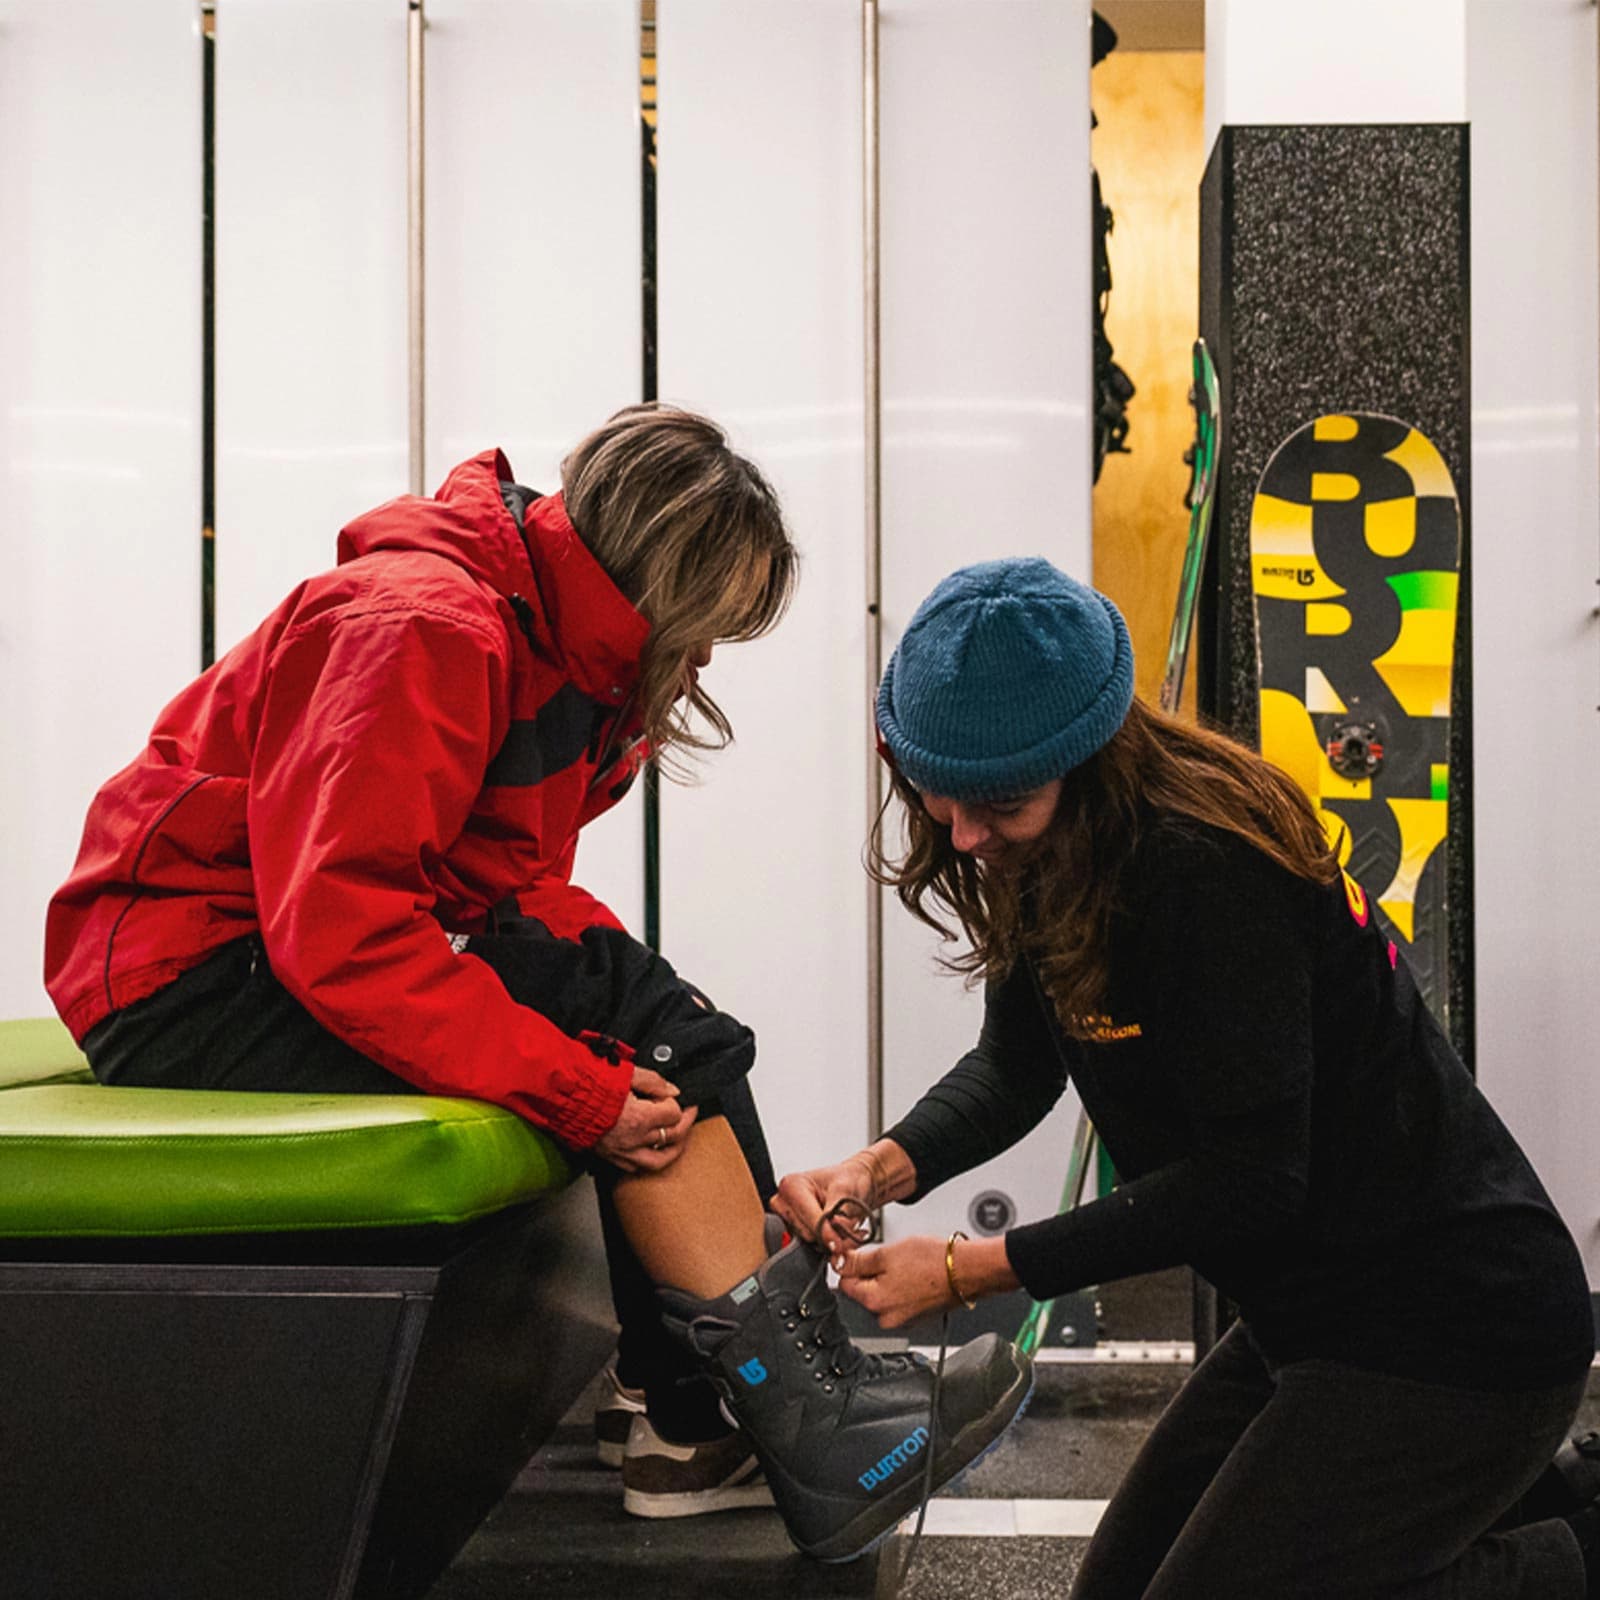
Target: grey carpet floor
[(562, 1533)]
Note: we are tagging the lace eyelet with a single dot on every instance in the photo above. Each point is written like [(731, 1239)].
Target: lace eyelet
[(827, 1388)]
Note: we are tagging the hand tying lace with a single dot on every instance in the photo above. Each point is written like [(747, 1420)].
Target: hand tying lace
[(815, 1317)]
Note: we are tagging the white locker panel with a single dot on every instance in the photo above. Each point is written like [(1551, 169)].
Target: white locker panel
[(1336, 61), (99, 421), (1536, 556), (986, 376), (534, 322), (311, 287), (760, 261)]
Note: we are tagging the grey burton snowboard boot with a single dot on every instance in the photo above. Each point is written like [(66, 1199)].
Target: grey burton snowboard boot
[(842, 1434)]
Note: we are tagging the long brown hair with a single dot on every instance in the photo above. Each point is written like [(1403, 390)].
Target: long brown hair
[(1056, 902), (694, 537)]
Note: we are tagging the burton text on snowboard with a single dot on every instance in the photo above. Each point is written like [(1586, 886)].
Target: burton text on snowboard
[(1355, 543)]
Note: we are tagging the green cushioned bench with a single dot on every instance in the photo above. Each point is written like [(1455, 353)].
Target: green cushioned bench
[(40, 1050), (84, 1161), (392, 1298)]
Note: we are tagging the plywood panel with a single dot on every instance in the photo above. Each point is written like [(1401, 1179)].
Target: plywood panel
[(1148, 152)]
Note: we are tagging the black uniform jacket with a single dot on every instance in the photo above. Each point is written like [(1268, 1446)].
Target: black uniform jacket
[(1286, 1116)]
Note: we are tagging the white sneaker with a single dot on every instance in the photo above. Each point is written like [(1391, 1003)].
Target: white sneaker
[(660, 1479), (614, 1415)]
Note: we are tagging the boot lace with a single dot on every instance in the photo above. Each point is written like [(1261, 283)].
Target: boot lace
[(814, 1318)]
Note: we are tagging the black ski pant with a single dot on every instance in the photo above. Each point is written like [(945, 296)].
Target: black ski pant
[(229, 1024), (1319, 1481)]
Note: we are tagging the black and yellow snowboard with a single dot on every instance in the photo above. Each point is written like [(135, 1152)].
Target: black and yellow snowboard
[(1355, 546)]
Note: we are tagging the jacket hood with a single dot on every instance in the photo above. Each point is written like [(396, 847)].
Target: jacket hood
[(562, 598)]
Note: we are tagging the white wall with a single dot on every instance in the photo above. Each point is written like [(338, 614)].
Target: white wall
[(1523, 73), (533, 324), (1304, 61), (534, 333), (1536, 558), (759, 264), (534, 319), (986, 326), (987, 357), (533, 328), (99, 421), (534, 313), (311, 287)]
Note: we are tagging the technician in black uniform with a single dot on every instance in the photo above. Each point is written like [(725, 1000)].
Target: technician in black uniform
[(1159, 919)]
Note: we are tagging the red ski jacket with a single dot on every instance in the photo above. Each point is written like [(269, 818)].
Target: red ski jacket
[(405, 747)]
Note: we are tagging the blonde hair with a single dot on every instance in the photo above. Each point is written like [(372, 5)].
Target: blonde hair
[(1057, 906), (694, 537)]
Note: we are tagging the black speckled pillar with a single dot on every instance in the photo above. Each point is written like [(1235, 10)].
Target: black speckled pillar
[(1334, 277)]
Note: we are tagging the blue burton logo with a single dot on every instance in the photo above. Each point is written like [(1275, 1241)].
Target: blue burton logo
[(908, 1447), (753, 1372)]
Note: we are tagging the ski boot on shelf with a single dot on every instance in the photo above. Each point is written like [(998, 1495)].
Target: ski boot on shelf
[(843, 1436)]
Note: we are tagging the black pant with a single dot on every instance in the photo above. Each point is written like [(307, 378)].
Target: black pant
[(229, 1024), (1318, 1481)]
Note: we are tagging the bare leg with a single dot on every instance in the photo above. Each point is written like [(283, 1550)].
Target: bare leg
[(697, 1226)]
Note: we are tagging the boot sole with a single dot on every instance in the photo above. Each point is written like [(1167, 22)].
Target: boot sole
[(873, 1525), (696, 1502)]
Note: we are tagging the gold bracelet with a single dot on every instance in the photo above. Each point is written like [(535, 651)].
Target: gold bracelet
[(950, 1270)]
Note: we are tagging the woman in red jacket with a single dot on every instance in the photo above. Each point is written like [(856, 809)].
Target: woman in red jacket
[(343, 863)]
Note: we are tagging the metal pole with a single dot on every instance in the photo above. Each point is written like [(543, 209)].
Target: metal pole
[(208, 334), (874, 541), (650, 390), (417, 347)]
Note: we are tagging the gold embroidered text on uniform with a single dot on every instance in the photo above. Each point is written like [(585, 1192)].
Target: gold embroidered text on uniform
[(1103, 1030)]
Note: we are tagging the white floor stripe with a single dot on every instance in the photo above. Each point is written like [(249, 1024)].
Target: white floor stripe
[(1011, 1519), (1061, 1519), (1127, 1352), (1130, 1352)]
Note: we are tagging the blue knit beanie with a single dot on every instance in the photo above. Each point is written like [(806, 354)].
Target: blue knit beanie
[(1009, 674)]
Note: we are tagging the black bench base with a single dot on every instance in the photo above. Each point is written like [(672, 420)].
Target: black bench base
[(264, 1429)]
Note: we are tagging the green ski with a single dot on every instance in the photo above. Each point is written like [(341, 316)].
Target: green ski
[(1201, 457)]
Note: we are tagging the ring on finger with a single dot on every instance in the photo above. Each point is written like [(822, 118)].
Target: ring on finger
[(661, 1138)]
